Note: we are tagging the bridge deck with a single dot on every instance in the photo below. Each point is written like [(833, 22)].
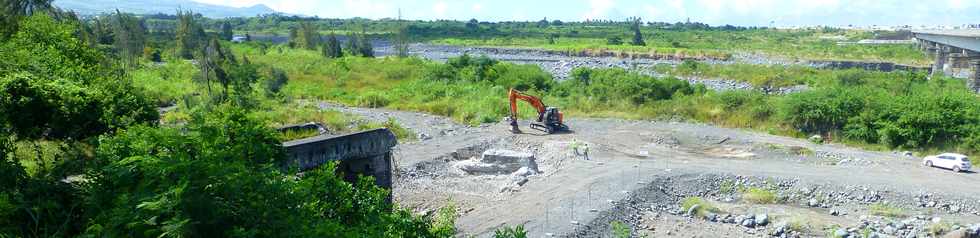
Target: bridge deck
[(956, 32)]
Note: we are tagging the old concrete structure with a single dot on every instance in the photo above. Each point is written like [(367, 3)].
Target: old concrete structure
[(953, 49), (363, 153)]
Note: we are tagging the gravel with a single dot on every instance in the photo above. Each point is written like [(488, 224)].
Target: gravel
[(560, 63), (666, 192)]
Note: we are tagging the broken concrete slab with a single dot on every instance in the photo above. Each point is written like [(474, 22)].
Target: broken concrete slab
[(495, 161)]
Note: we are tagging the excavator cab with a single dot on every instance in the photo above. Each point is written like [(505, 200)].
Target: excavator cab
[(549, 120)]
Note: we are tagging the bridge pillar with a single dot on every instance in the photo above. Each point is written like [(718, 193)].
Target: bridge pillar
[(974, 81), (941, 55)]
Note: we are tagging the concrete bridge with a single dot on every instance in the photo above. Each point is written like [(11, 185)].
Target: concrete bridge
[(365, 153), (953, 49)]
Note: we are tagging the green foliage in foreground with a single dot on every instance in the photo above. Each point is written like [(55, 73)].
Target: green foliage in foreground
[(218, 174), (52, 86)]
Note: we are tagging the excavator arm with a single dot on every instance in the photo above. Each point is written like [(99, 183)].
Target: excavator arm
[(515, 95), (549, 119)]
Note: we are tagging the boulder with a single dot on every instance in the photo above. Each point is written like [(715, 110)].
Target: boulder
[(813, 202), (761, 219), (748, 222), (693, 210), (816, 139)]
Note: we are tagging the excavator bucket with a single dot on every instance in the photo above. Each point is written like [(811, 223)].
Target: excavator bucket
[(513, 126)]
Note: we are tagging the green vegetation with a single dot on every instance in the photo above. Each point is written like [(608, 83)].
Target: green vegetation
[(728, 186), (703, 206), (510, 232), (938, 229), (886, 210), (759, 195), (620, 229), (799, 223), (850, 106), (82, 152)]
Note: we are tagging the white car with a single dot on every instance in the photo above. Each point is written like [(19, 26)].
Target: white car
[(956, 162)]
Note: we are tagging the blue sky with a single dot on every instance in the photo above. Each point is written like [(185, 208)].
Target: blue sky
[(714, 12)]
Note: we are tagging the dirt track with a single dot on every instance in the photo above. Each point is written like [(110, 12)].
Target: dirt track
[(626, 156)]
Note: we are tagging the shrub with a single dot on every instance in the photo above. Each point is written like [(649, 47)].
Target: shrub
[(510, 232), (703, 206), (759, 196), (275, 81), (615, 40), (620, 229), (615, 85), (822, 110), (372, 100), (886, 210)]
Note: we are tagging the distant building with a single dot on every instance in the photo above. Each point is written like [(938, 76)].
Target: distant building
[(238, 39)]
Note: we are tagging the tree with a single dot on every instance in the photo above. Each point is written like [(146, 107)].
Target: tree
[(352, 44), (130, 36), (331, 49), (102, 31), (275, 81), (543, 23), (635, 23), (56, 87), (226, 31), (473, 24), (365, 48), (15, 10), (189, 35), (306, 36), (293, 37)]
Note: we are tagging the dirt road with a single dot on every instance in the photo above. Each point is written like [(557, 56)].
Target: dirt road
[(634, 157)]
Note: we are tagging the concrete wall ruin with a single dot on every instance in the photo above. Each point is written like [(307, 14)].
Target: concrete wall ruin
[(363, 153)]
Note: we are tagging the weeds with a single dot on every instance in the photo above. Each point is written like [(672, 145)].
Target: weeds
[(703, 206), (729, 186), (510, 232), (620, 229), (938, 229), (886, 210), (759, 196)]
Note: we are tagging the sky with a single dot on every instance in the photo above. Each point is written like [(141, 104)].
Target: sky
[(713, 12)]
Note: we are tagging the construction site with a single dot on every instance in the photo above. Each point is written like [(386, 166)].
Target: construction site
[(595, 174)]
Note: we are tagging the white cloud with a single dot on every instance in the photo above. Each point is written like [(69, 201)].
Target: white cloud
[(599, 9), (477, 7), (440, 8)]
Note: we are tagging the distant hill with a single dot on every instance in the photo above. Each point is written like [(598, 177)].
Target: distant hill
[(90, 7)]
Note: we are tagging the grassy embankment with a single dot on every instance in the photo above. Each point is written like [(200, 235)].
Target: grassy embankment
[(785, 44)]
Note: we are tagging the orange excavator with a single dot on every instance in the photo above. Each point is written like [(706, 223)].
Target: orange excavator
[(549, 118)]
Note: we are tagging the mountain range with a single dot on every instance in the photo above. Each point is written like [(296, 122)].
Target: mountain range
[(92, 7)]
